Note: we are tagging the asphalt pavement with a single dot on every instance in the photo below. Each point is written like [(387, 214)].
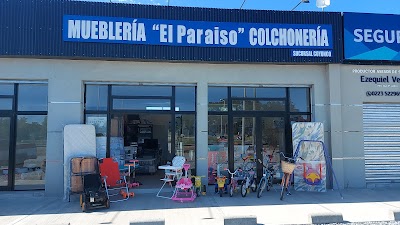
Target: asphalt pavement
[(357, 205)]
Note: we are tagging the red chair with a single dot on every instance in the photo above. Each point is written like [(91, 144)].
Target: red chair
[(113, 181)]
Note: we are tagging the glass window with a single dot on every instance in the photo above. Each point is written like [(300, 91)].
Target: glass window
[(142, 104), (118, 124), (250, 92), (32, 97), (243, 92), (4, 149), (217, 99), (258, 105), (185, 99), (273, 138), (96, 97), (135, 90), (30, 160), (185, 138), (6, 89), (299, 99), (217, 145), (300, 118), (117, 140), (99, 121), (6, 103), (244, 140), (270, 92)]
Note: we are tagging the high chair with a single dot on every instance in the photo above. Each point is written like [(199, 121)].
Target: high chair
[(184, 190), (172, 173)]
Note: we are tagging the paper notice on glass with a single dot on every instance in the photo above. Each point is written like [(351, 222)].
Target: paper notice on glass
[(116, 146), (101, 147), (100, 124)]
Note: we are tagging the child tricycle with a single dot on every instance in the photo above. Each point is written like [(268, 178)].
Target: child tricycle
[(221, 185), (199, 188)]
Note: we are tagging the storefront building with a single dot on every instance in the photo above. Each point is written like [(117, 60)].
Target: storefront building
[(370, 99), (209, 84)]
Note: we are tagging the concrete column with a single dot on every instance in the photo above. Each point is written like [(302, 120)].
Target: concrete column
[(202, 130), (336, 123), (65, 106)]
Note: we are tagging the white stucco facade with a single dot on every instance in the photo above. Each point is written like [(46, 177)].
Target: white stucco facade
[(66, 79)]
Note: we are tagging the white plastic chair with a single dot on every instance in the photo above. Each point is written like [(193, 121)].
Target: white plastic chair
[(172, 172)]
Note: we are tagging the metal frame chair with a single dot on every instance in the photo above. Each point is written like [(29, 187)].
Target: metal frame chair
[(112, 178)]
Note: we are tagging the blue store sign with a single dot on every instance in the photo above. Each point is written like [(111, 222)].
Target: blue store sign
[(371, 37), (197, 33)]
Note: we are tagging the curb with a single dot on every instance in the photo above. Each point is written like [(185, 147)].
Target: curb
[(320, 218), (240, 220), (154, 222)]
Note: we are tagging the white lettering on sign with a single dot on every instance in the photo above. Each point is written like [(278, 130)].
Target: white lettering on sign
[(102, 30), (313, 53), (307, 39), (209, 36), (376, 71), (377, 36), (288, 37)]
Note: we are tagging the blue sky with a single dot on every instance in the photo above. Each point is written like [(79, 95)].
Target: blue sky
[(367, 6)]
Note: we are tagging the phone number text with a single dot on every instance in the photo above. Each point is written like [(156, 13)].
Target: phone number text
[(382, 93)]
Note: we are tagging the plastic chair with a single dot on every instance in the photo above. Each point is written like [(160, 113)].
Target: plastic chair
[(113, 181), (177, 161), (172, 172), (311, 176)]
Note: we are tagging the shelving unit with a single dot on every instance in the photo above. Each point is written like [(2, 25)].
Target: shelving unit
[(130, 152), (144, 131), (79, 167)]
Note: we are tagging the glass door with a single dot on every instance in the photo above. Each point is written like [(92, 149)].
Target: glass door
[(185, 141), (244, 141), (257, 138), (5, 131), (272, 136)]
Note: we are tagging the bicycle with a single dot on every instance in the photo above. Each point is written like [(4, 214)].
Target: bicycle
[(247, 165), (249, 178), (287, 165), (233, 184), (266, 181)]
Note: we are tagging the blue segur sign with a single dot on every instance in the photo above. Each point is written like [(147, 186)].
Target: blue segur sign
[(315, 38), (372, 37)]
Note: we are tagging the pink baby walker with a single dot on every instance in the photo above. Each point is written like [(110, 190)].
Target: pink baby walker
[(184, 190)]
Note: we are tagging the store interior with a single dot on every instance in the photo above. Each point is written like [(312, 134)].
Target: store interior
[(146, 138)]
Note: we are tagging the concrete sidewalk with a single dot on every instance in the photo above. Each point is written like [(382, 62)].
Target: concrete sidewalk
[(358, 205)]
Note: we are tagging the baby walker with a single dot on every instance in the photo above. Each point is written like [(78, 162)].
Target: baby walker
[(184, 190)]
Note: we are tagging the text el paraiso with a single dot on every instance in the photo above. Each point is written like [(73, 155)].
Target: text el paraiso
[(136, 32)]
